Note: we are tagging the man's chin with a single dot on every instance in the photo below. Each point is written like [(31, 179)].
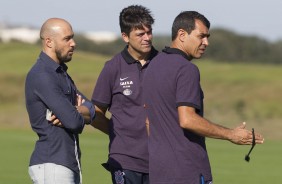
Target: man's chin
[(67, 60), (147, 49)]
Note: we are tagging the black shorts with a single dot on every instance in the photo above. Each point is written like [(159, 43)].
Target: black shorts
[(124, 176)]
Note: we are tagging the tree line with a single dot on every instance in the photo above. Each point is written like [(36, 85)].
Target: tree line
[(225, 46)]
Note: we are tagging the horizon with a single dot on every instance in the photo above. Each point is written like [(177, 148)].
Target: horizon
[(250, 17)]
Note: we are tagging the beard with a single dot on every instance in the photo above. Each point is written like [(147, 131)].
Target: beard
[(63, 58)]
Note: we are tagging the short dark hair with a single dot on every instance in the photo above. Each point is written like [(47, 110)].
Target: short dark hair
[(186, 21), (135, 16)]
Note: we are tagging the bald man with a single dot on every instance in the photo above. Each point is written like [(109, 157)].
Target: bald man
[(56, 109)]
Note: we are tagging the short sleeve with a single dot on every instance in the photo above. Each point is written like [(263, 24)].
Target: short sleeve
[(188, 88), (102, 93)]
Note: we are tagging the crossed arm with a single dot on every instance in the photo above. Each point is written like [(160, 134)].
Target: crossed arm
[(101, 122), (83, 110)]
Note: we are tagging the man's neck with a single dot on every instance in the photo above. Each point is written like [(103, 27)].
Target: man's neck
[(141, 57)]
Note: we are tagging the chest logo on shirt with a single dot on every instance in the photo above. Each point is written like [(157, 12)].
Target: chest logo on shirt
[(122, 79), (127, 92), (126, 85)]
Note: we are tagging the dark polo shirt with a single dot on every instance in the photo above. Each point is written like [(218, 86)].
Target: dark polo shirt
[(119, 88), (176, 155)]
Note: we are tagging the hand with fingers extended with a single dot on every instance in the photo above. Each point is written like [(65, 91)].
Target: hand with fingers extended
[(79, 103), (242, 136), (83, 110), (79, 100)]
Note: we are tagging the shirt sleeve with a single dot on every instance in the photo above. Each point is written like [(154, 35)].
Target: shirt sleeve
[(102, 93), (188, 87), (89, 106), (56, 96)]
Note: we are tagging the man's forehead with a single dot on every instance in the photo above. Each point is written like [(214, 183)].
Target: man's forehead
[(142, 28), (200, 28)]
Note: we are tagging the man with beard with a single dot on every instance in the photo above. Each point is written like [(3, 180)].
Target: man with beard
[(119, 91), (56, 109)]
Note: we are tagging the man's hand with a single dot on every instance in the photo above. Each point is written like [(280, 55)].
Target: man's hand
[(55, 121), (83, 110), (242, 136), (79, 100)]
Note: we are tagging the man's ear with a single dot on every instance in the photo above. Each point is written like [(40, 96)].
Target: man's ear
[(125, 37), (49, 42), (182, 34)]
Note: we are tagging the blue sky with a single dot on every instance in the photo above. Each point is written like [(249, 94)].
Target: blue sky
[(249, 17)]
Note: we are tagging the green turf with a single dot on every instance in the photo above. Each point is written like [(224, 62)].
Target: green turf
[(227, 160), (17, 146), (229, 166)]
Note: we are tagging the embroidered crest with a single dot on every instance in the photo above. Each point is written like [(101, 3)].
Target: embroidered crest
[(127, 92), (119, 177)]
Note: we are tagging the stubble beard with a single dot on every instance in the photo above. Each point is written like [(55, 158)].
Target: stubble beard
[(63, 58)]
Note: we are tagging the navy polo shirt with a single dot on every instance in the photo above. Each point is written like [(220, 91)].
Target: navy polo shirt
[(48, 86), (176, 155), (119, 89)]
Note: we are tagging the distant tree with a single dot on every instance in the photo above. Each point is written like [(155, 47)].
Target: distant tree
[(276, 57), (106, 48), (225, 46), (160, 41)]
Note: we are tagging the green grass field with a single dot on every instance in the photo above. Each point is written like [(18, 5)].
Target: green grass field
[(227, 160), (233, 93)]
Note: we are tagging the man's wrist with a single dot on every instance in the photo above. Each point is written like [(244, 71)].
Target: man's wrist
[(91, 109)]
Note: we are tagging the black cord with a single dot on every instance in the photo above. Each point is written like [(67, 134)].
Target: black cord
[(247, 157)]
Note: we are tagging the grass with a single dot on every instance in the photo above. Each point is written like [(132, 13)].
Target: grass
[(17, 145), (227, 160), (229, 166)]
